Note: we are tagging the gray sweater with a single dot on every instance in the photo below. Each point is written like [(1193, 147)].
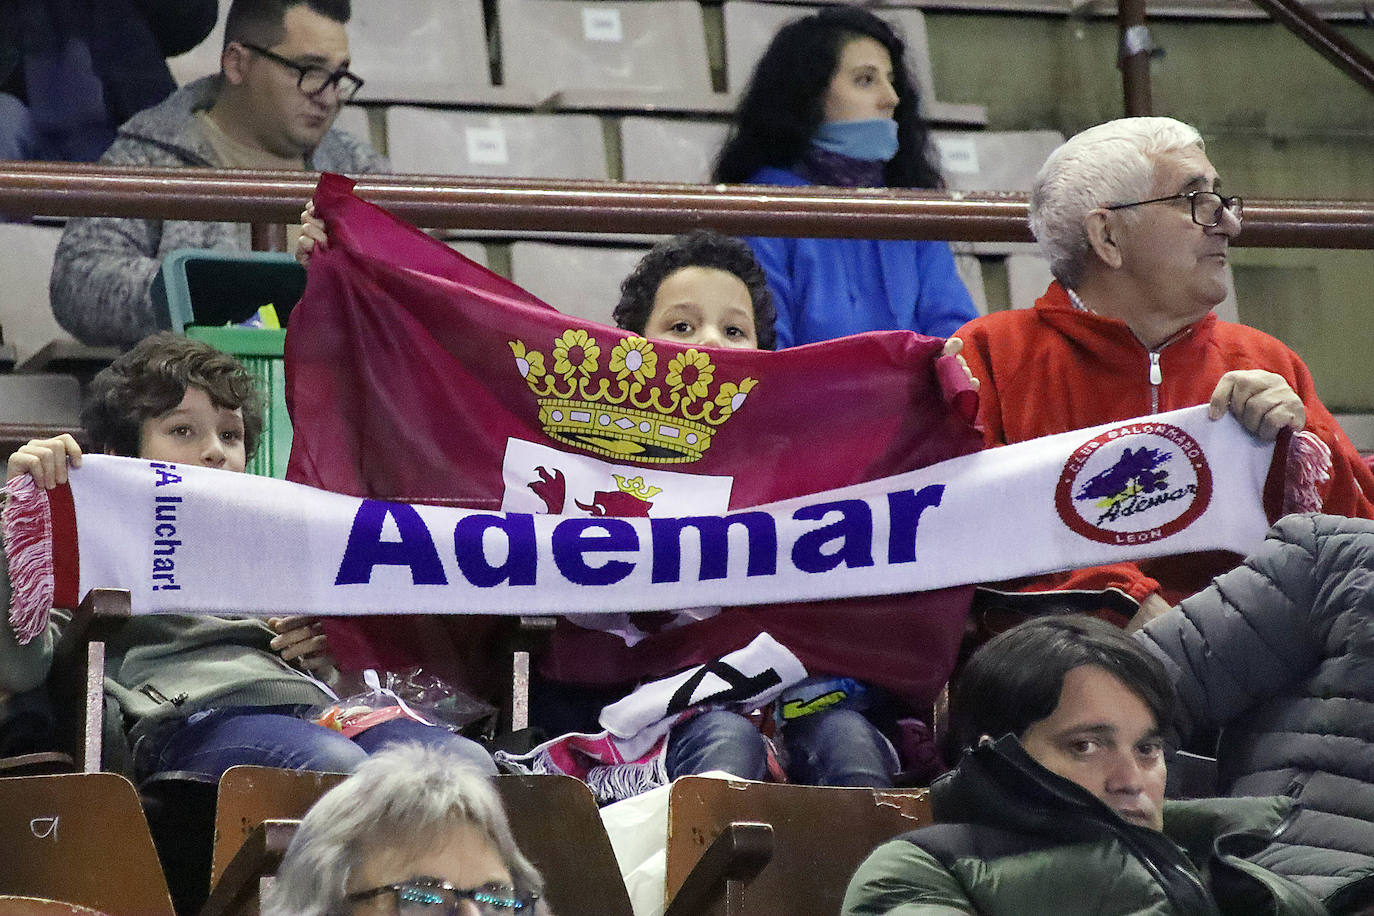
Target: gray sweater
[(104, 266), (166, 666), (1279, 655)]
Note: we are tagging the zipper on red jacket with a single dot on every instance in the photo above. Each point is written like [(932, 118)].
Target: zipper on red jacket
[(1156, 374)]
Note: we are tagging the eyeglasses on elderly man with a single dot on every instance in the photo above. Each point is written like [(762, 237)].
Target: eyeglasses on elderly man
[(1207, 205)]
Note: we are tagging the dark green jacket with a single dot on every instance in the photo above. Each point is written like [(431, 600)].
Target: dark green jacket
[(1014, 838)]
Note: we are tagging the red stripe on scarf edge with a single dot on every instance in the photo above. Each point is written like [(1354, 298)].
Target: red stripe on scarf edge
[(66, 562)]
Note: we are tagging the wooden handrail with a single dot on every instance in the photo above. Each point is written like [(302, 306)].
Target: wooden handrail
[(442, 201)]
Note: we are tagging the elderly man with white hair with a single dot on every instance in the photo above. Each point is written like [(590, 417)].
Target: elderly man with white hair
[(1136, 226)]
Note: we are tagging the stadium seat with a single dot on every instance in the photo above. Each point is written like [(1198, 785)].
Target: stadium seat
[(1360, 428), (994, 160), (249, 795), (427, 142), (80, 838), (811, 861), (750, 26), (579, 280), (645, 54), (77, 680), (473, 251), (40, 399), (443, 53), (1028, 276), (670, 149), (581, 878), (42, 906), (26, 254)]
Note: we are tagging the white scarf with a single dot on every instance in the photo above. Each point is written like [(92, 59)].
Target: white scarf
[(193, 540)]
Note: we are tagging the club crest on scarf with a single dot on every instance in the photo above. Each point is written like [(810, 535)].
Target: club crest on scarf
[(625, 410), (1134, 484)]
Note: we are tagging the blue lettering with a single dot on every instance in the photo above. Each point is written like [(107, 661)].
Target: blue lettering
[(713, 535), (904, 516), (521, 560), (854, 531), (366, 548), (165, 474), (572, 539)]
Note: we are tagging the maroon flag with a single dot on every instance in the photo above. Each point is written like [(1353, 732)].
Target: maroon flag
[(416, 375)]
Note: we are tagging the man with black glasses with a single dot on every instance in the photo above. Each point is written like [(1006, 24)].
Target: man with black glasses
[(1136, 226), (284, 76)]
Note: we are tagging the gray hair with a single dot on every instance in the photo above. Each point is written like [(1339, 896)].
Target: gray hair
[(1112, 163), (405, 797)]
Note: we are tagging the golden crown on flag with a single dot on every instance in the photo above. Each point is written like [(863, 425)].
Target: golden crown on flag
[(624, 411)]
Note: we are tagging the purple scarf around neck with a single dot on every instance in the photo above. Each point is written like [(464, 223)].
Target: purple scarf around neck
[(820, 166)]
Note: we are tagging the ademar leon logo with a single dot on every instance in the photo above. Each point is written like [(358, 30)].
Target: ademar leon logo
[(1138, 483)]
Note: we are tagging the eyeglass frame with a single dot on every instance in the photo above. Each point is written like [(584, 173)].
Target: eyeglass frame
[(335, 78), (1234, 205), (523, 899)]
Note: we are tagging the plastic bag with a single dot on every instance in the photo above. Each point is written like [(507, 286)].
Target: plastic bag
[(412, 693)]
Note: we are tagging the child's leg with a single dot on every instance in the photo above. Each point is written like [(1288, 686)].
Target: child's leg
[(838, 747), (717, 740)]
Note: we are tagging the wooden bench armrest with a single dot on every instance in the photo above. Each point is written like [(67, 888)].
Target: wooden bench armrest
[(100, 612), (735, 856), (258, 857)]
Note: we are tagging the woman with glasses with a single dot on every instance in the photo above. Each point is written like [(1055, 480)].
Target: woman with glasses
[(414, 832)]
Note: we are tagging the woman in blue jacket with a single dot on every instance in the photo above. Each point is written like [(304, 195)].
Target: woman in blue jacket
[(831, 102)]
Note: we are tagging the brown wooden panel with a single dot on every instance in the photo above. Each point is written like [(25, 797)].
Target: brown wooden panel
[(42, 906), (821, 834), (80, 838), (558, 828), (249, 795)]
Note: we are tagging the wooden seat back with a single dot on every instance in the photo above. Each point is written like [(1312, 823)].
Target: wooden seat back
[(80, 838), (249, 795), (554, 819), (558, 827), (42, 906), (820, 835)]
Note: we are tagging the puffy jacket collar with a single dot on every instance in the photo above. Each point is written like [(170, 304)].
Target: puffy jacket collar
[(998, 783)]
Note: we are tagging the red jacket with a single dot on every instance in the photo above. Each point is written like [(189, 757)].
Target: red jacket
[(1056, 368)]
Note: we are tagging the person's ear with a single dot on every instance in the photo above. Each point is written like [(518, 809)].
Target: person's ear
[(1102, 232), (233, 61)]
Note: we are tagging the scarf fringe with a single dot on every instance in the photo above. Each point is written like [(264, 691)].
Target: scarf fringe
[(1309, 466), (608, 782), (27, 525), (619, 781)]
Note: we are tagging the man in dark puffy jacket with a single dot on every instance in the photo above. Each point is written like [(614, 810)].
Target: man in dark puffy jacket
[(1278, 655), (1065, 814)]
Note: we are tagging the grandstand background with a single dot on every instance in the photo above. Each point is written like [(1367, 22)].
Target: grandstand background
[(642, 90)]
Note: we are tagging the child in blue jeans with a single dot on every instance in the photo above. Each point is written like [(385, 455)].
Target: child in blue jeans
[(198, 693)]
